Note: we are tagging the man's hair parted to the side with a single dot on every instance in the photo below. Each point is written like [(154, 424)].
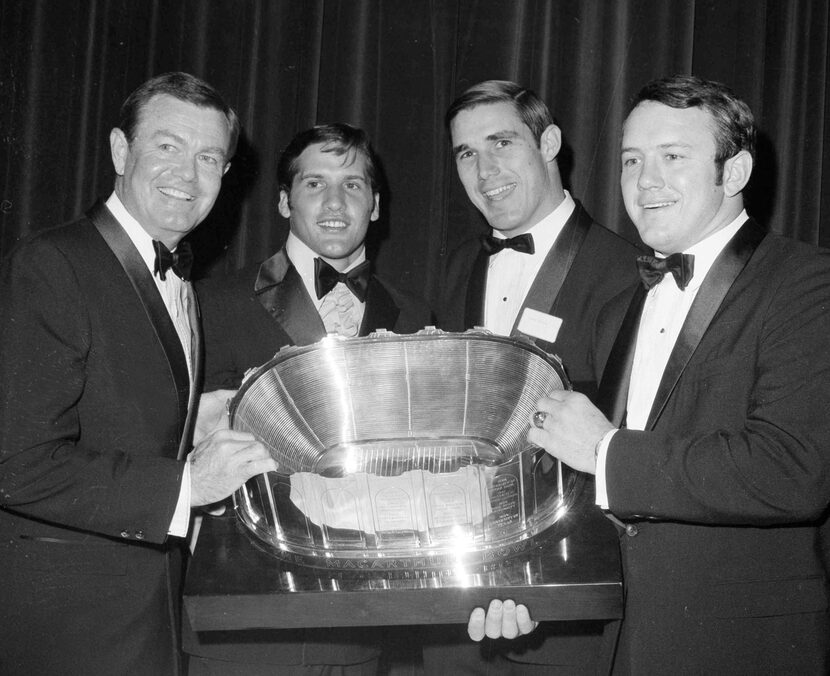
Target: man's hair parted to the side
[(181, 86), (529, 107)]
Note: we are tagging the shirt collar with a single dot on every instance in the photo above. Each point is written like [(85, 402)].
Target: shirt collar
[(302, 258), (138, 235), (547, 230), (708, 249)]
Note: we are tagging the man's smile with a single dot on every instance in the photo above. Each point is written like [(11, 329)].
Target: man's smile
[(499, 193), (333, 223), (658, 205), (176, 194)]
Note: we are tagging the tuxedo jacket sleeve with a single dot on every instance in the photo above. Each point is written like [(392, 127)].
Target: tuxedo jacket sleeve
[(744, 438), (91, 414)]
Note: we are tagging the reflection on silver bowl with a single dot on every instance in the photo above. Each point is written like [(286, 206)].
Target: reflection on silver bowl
[(401, 451)]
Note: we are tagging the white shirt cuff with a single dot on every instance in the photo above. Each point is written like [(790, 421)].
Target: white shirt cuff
[(602, 453), (181, 517)]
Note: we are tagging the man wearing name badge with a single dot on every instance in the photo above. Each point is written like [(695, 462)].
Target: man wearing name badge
[(99, 370), (712, 441), (320, 282), (546, 267), (544, 272)]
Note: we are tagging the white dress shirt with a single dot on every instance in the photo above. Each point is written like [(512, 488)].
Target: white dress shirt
[(510, 274), (174, 292), (302, 258), (664, 313)]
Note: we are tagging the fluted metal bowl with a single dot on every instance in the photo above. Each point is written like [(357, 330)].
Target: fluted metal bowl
[(401, 451)]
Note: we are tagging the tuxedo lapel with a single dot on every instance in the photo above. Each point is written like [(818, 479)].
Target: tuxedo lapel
[(719, 280), (196, 357), (474, 303), (612, 396), (148, 293), (544, 292), (280, 290), (380, 311)]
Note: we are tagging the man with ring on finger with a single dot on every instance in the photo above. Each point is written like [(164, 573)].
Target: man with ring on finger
[(711, 443)]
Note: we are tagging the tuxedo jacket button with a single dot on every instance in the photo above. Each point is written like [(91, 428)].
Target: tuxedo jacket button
[(124, 534), (139, 535), (631, 530)]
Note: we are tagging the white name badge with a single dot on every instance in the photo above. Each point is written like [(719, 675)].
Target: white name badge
[(539, 325)]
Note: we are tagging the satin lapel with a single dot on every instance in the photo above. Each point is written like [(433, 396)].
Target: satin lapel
[(381, 311), (612, 396), (281, 291), (196, 356), (474, 303), (544, 292), (147, 291), (719, 280)]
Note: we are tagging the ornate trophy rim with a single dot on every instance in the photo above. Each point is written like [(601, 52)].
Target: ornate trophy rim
[(505, 520)]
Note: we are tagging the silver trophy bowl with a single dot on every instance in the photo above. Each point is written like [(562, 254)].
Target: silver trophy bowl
[(402, 451)]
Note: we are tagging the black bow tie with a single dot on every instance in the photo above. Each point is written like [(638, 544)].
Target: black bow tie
[(521, 243), (652, 270), (179, 261), (326, 278)]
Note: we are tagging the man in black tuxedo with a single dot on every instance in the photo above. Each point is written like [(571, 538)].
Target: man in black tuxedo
[(546, 264), (544, 272), (329, 191), (712, 441), (99, 370), (320, 282)]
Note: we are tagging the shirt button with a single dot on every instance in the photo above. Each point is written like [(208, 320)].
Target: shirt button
[(139, 535), (631, 530), (124, 534)]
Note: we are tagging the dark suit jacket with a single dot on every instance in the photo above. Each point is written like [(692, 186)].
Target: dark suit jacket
[(725, 487), (248, 317), (601, 265), (94, 390)]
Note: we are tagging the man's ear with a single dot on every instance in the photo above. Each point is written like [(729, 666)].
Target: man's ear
[(119, 149), (376, 210), (736, 172), (225, 170), (550, 142), (284, 207)]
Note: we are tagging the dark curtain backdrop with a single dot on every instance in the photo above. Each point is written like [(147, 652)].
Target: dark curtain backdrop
[(392, 67)]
